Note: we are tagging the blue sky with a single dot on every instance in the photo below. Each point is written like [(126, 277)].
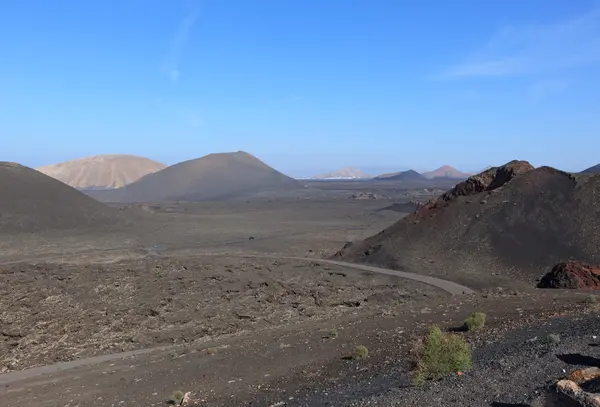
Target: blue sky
[(306, 85)]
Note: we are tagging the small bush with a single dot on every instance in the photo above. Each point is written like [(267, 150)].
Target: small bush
[(441, 355), (475, 322), (177, 398), (552, 339), (591, 299), (333, 334), (360, 352)]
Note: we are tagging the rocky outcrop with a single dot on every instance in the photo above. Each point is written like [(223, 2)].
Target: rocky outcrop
[(581, 376), (488, 180), (572, 274), (571, 392)]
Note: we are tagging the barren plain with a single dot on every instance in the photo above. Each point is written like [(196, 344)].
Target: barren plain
[(238, 303)]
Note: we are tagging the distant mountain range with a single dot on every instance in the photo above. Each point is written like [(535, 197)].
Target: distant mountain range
[(344, 173), (446, 172), (210, 177)]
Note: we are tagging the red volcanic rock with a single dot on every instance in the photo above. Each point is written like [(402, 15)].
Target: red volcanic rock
[(489, 179), (572, 274)]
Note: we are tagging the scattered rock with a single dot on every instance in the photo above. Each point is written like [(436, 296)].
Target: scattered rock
[(187, 399), (365, 195)]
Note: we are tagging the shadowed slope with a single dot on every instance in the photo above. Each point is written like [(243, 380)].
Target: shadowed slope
[(592, 170), (31, 201), (103, 171), (508, 221), (213, 177)]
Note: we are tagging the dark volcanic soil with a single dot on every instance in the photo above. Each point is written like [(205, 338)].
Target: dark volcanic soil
[(513, 368), (58, 312), (302, 365)]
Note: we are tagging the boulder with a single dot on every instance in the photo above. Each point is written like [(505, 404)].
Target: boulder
[(581, 376), (572, 274), (567, 393)]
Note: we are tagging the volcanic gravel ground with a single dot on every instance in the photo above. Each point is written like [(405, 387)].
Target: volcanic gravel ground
[(57, 312)]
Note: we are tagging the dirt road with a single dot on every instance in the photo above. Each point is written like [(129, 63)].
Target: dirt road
[(445, 285), (448, 286)]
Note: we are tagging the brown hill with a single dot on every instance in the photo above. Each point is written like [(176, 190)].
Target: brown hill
[(213, 177), (409, 175), (31, 201), (102, 171), (592, 170), (512, 221), (446, 172)]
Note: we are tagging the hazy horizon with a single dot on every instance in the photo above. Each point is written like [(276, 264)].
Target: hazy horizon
[(306, 86), (368, 167)]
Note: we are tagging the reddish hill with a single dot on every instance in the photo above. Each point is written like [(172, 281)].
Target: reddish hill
[(446, 172), (512, 221)]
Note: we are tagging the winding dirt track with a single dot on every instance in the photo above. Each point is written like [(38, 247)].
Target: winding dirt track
[(448, 286)]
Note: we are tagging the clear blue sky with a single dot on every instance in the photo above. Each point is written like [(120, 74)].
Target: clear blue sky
[(306, 85)]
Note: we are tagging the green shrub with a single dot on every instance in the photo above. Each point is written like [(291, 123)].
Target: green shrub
[(591, 299), (360, 352), (475, 322), (333, 334), (173, 353), (552, 339), (441, 355), (177, 398)]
